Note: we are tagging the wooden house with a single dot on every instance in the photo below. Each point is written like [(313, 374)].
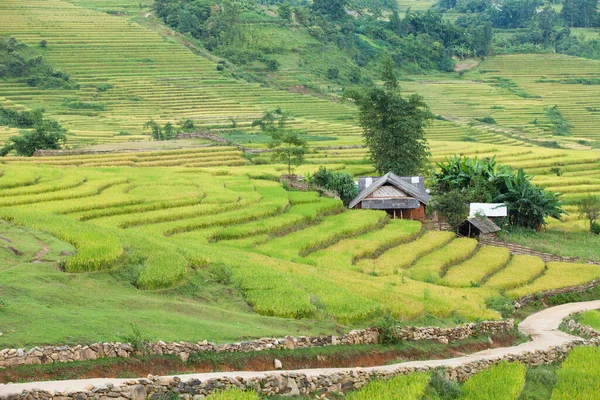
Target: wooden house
[(400, 196)]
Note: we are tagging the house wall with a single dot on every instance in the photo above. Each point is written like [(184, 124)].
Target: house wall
[(408, 213)]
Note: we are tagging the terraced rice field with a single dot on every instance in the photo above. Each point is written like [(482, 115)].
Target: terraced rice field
[(531, 83), (578, 376), (504, 381), (291, 254), (152, 77)]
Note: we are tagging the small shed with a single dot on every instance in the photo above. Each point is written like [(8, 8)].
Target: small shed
[(402, 197), (477, 227)]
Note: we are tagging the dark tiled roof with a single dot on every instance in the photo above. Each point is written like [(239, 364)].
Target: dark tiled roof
[(395, 180)]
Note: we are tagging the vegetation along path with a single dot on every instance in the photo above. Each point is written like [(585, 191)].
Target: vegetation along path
[(542, 327)]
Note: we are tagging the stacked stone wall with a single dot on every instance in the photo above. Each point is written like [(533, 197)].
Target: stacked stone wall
[(62, 354), (289, 383)]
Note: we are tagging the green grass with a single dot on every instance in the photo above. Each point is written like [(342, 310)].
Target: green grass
[(578, 377), (500, 382), (233, 394), (539, 382), (85, 308), (407, 387), (430, 267), (591, 318), (572, 244)]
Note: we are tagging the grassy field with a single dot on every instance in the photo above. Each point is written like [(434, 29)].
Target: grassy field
[(578, 376), (575, 378), (208, 241), (167, 232)]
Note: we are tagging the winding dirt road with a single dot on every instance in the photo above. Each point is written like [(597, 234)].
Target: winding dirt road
[(542, 327)]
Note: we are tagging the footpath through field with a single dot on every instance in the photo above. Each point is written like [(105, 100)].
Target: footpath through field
[(541, 326)]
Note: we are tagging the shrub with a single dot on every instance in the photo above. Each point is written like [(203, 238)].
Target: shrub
[(272, 65), (43, 43), (539, 383), (443, 388), (385, 326), (136, 339), (501, 304), (103, 87), (452, 206), (341, 183), (487, 120)]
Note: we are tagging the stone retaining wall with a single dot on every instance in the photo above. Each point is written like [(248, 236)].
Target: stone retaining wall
[(582, 330), (62, 354), (517, 249), (288, 383), (553, 292)]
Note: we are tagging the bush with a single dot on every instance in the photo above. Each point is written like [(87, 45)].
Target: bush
[(385, 327), (501, 304), (341, 183), (443, 388), (43, 43), (46, 135), (272, 65), (333, 73), (539, 383), (487, 120), (595, 228), (103, 87), (136, 339), (453, 206)]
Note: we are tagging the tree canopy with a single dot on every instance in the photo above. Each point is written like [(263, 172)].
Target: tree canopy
[(485, 181), (286, 146), (394, 127), (46, 135)]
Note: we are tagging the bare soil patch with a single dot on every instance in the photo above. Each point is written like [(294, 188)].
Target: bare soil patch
[(465, 65)]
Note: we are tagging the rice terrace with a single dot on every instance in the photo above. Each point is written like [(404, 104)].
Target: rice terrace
[(250, 199)]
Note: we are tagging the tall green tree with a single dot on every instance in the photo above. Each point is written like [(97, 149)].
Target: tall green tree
[(286, 146), (394, 126), (589, 207)]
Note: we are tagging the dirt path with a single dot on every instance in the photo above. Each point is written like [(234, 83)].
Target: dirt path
[(40, 254), (542, 327)]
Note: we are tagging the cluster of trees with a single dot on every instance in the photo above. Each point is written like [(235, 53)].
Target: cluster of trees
[(462, 180), (417, 41), (19, 62), (38, 134), (538, 26), (511, 14), (168, 131)]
